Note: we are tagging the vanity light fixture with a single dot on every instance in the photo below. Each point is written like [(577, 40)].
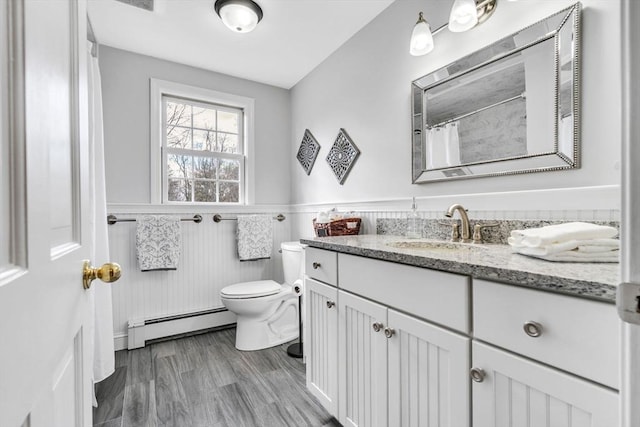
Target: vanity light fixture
[(421, 38), (241, 16), (465, 14)]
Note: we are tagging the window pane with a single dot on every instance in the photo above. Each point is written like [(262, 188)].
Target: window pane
[(179, 166), (205, 191), (228, 122), (179, 190), (204, 167), (204, 118), (178, 114), (178, 137), (227, 143), (203, 140), (229, 169), (229, 192)]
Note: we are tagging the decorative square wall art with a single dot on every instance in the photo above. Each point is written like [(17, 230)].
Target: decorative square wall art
[(308, 151), (342, 156)]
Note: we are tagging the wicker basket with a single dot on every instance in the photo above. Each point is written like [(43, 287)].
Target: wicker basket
[(339, 227)]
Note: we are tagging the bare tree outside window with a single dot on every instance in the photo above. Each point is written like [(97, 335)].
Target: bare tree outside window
[(204, 157)]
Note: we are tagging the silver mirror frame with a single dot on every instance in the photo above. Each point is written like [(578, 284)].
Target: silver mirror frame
[(554, 160)]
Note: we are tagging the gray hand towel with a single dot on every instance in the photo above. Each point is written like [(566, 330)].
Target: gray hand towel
[(255, 237), (158, 241)]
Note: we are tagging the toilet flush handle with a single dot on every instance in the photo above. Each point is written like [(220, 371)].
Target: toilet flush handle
[(316, 265)]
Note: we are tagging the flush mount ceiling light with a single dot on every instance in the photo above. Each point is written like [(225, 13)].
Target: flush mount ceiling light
[(465, 14), (241, 16)]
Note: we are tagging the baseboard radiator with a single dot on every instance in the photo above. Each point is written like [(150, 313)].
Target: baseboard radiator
[(142, 331)]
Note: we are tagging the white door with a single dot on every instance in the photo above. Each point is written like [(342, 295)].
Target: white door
[(428, 374), (630, 221), (321, 352), (45, 360), (362, 362), (517, 392)]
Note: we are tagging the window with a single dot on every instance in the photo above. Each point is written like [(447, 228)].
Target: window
[(203, 152), (202, 144)]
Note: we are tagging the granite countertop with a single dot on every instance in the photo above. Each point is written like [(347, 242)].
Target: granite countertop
[(495, 262)]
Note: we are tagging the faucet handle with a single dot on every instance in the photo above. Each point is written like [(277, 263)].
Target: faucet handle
[(477, 231), (455, 232)]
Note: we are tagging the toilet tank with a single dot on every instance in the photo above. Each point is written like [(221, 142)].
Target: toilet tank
[(292, 261)]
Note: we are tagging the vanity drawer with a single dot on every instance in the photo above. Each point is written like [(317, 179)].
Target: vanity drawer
[(432, 295), (321, 265), (575, 334)]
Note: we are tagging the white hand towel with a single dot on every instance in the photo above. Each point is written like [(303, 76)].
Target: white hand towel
[(576, 256), (255, 237), (553, 248), (158, 241), (536, 237), (592, 246)]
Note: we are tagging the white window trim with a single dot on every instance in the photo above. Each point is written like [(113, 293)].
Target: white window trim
[(160, 88)]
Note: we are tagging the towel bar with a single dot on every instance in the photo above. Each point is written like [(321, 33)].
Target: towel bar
[(112, 219), (218, 218)]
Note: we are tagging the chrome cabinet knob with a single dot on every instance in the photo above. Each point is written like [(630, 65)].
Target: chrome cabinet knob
[(331, 304), (533, 329), (316, 265), (389, 332), (377, 326), (477, 374)]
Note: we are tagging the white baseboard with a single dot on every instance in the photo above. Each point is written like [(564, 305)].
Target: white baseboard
[(120, 342)]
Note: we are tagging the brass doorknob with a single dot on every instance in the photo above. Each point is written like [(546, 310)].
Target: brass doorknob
[(109, 272)]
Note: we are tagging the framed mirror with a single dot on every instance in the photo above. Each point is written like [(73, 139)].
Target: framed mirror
[(509, 108)]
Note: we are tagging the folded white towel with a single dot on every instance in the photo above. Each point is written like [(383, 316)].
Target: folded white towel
[(158, 242), (255, 237), (599, 245), (550, 234), (592, 246), (577, 256)]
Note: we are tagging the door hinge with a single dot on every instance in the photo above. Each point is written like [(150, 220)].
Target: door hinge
[(628, 302)]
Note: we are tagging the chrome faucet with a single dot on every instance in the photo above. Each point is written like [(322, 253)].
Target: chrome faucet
[(465, 231)]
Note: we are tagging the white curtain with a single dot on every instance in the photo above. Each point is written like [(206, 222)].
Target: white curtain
[(104, 356), (443, 146)]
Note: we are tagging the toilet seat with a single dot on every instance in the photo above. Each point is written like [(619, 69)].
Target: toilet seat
[(256, 289)]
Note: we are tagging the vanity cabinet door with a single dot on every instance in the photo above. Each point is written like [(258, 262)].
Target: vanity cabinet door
[(512, 391), (320, 348), (362, 361), (428, 374)]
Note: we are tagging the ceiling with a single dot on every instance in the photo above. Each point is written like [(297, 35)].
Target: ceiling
[(291, 40)]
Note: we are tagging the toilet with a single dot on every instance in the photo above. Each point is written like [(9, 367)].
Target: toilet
[(267, 311)]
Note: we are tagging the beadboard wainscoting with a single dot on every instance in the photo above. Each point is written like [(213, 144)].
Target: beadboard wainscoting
[(208, 262)]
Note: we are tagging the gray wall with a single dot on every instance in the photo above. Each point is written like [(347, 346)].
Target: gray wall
[(125, 91), (364, 87)]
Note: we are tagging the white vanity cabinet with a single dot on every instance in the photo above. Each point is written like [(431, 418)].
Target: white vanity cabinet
[(362, 362), (410, 346), (321, 343), (394, 369), (569, 335), (397, 370), (512, 391)]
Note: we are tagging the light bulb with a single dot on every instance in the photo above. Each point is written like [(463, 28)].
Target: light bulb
[(421, 38), (464, 16)]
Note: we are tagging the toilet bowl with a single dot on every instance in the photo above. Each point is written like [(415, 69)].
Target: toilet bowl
[(267, 311)]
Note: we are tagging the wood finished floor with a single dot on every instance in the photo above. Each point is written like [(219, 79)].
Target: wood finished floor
[(204, 381)]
